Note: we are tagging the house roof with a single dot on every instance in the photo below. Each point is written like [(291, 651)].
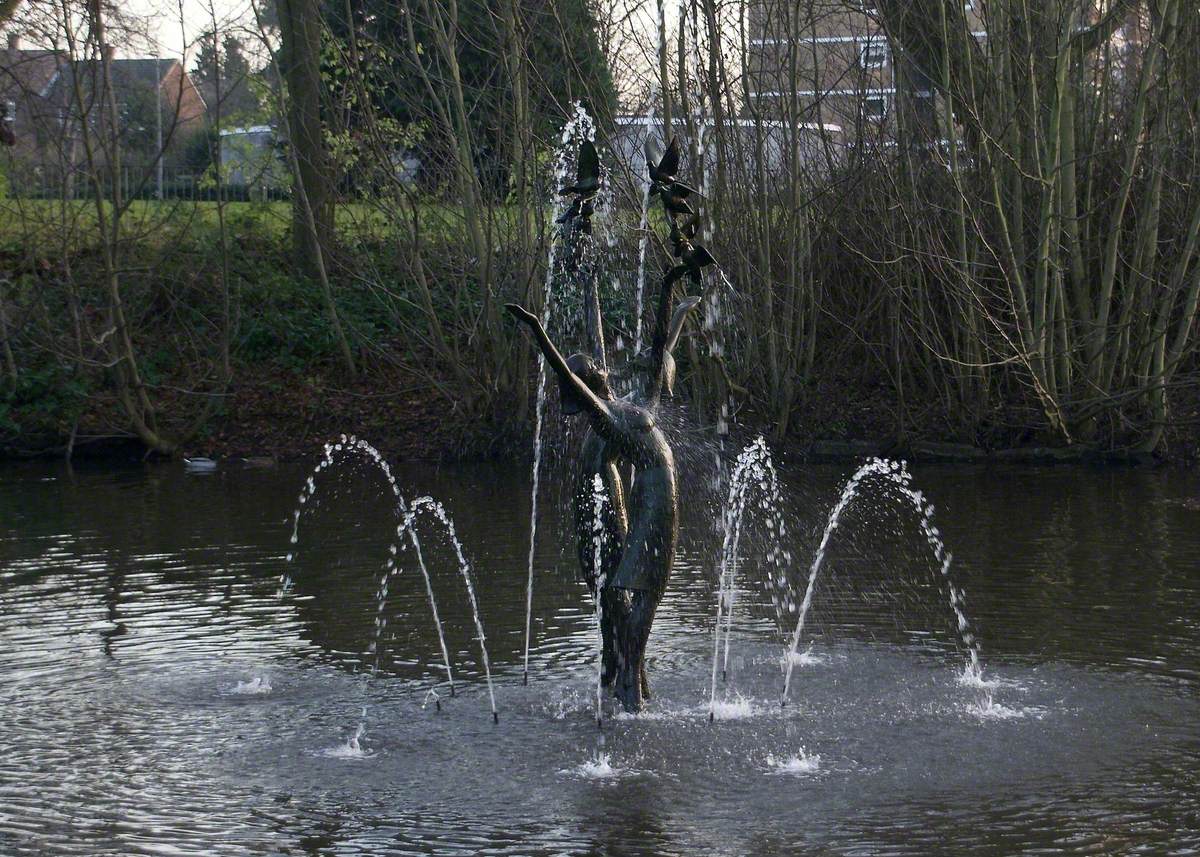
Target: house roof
[(28, 72), (127, 74), (629, 121), (146, 71)]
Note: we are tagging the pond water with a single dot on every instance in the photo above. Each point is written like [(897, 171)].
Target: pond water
[(158, 695)]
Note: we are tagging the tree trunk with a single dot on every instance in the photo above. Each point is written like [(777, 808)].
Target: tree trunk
[(312, 198), (300, 59)]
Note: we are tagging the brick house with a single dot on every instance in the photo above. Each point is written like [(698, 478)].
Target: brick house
[(48, 94), (837, 67), (25, 79)]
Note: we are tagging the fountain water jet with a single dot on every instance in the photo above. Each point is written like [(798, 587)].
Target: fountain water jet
[(973, 674), (877, 466), (895, 474), (759, 467), (643, 238), (599, 498), (433, 507), (754, 467), (353, 444)]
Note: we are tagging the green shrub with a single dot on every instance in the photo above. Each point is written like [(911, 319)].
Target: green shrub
[(44, 400)]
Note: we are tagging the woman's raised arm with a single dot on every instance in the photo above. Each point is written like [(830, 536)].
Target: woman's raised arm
[(593, 403)]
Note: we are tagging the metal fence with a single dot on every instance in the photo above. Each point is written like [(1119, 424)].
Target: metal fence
[(137, 181)]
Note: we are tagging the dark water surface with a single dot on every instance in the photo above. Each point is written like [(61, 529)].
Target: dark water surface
[(159, 696)]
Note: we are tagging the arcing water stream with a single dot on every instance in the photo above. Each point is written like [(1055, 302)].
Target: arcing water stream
[(330, 453), (753, 474), (895, 475), (433, 507)]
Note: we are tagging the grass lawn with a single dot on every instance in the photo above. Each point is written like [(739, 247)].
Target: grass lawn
[(26, 223)]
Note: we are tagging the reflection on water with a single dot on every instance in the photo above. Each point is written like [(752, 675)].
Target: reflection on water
[(158, 695)]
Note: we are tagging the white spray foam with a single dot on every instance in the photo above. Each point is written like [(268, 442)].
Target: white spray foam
[(795, 766), (655, 715), (738, 708), (351, 749), (599, 767), (260, 685), (801, 659), (986, 708)]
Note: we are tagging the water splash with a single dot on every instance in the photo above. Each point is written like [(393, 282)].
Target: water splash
[(754, 469), (598, 767), (659, 715), (564, 702), (896, 476), (802, 659), (352, 748), (975, 679), (738, 708), (257, 686), (438, 511), (431, 695), (986, 708), (800, 764)]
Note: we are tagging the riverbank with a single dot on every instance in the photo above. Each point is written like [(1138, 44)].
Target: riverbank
[(276, 416), (234, 355)]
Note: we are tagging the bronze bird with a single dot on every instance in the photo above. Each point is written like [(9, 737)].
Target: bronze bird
[(692, 257), (587, 173), (674, 201), (673, 192), (582, 207), (682, 235), (587, 185)]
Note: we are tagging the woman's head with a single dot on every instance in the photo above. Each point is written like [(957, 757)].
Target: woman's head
[(591, 374)]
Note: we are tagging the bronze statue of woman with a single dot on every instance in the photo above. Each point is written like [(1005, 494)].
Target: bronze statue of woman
[(636, 559), (599, 457), (630, 433)]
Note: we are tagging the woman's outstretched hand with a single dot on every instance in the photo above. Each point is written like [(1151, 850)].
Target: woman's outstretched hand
[(521, 314)]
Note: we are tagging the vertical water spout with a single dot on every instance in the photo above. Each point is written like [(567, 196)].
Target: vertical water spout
[(733, 517), (535, 479), (643, 233), (753, 468), (761, 469), (579, 127), (599, 498)]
